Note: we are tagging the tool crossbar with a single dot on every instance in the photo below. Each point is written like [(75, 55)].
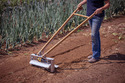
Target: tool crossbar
[(81, 15)]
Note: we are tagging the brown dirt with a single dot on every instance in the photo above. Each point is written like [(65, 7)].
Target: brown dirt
[(71, 56)]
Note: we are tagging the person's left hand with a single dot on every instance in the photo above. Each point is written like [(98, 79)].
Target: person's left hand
[(98, 11)]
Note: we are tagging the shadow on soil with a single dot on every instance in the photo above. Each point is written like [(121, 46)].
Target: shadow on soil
[(68, 50), (115, 56)]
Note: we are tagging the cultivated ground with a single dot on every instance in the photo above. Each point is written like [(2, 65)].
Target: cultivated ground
[(71, 56)]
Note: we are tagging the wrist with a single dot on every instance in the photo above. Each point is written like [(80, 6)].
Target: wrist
[(102, 8), (80, 4)]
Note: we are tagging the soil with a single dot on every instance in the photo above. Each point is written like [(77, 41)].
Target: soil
[(71, 56)]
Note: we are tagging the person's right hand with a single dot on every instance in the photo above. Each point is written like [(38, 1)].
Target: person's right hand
[(79, 7)]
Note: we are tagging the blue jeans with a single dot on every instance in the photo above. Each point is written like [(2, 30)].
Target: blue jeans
[(95, 24)]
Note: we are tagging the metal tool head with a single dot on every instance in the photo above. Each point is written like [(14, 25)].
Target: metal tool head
[(46, 62)]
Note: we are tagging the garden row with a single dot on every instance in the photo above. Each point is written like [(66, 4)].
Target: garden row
[(29, 19)]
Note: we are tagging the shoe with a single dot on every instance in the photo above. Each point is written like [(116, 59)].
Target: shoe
[(92, 60), (90, 56)]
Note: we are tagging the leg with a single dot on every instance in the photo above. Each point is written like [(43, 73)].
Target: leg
[(95, 24)]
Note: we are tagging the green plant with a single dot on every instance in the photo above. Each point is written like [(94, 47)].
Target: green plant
[(26, 20)]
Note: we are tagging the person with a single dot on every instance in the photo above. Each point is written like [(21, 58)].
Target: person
[(97, 7)]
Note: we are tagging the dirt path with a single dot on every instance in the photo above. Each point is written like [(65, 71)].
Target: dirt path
[(71, 56)]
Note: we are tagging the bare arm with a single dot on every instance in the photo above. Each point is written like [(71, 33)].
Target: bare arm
[(81, 3), (99, 10)]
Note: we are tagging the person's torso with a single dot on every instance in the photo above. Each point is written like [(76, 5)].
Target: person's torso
[(92, 5)]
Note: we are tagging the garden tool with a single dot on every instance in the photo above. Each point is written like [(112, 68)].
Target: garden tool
[(48, 63)]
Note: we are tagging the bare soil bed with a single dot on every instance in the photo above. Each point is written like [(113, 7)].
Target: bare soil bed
[(71, 56)]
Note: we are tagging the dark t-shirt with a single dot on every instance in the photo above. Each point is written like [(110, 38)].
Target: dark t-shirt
[(92, 5)]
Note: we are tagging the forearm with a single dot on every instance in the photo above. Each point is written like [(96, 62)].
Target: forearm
[(99, 10), (82, 3), (107, 4)]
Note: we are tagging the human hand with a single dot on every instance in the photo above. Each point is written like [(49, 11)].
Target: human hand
[(98, 11), (79, 7)]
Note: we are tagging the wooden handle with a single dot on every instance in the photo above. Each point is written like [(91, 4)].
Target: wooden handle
[(68, 34), (57, 31), (80, 15)]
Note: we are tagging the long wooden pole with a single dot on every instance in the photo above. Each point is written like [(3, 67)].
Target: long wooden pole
[(68, 35), (57, 31)]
